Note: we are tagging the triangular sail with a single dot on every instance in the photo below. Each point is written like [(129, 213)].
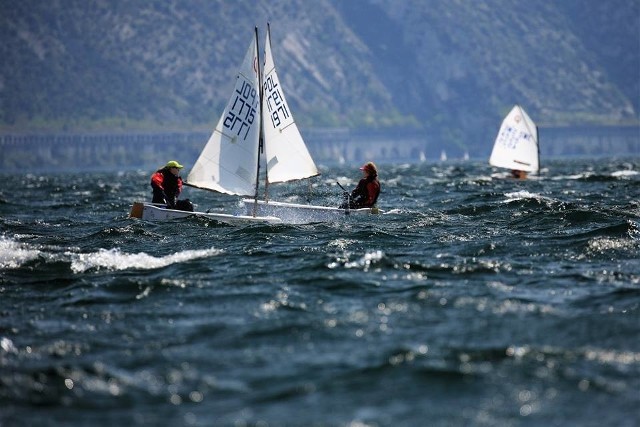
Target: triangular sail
[(286, 153), (516, 146), (229, 160)]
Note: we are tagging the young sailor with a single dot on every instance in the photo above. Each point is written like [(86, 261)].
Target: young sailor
[(167, 184), (366, 193), (518, 174)]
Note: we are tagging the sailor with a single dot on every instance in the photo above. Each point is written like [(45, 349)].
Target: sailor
[(366, 193), (167, 184), (518, 174)]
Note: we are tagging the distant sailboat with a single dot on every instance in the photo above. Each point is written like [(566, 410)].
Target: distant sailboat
[(516, 146), (443, 156)]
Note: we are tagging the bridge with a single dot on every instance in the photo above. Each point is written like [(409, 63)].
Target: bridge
[(148, 150)]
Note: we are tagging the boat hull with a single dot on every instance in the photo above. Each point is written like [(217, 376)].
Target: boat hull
[(151, 212), (299, 213)]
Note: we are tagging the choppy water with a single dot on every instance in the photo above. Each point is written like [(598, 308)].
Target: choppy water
[(473, 301)]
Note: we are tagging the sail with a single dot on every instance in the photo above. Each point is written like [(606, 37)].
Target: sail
[(229, 160), (286, 153), (516, 145)]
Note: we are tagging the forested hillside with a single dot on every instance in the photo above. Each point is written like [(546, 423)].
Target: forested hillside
[(452, 68)]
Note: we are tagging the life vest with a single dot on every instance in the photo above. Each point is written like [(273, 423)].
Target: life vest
[(366, 192), (164, 183)]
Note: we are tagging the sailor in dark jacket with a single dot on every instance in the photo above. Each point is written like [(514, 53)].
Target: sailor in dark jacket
[(167, 184), (366, 193)]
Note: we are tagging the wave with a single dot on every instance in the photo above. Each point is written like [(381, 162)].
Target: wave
[(365, 262), (526, 195), (591, 176), (114, 259), (625, 173), (14, 255)]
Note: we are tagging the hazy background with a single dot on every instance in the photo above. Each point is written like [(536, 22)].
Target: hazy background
[(444, 72)]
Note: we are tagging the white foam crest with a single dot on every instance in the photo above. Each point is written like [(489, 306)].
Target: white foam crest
[(624, 173), (573, 177), (393, 212), (114, 259), (523, 195), (13, 254)]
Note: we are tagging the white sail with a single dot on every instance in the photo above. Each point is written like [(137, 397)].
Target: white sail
[(516, 146), (229, 161), (286, 153)]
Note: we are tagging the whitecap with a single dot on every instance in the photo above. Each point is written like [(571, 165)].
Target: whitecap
[(114, 259), (523, 195), (578, 176), (624, 173), (14, 254), (7, 345)]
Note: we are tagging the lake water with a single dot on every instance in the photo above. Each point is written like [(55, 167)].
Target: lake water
[(472, 300)]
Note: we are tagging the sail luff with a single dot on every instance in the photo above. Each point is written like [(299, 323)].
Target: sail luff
[(264, 71), (538, 144), (260, 127)]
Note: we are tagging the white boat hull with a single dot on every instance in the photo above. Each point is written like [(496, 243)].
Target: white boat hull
[(151, 212), (295, 213)]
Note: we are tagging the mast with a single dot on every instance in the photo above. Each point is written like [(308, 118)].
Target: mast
[(261, 132), (538, 144), (266, 174)]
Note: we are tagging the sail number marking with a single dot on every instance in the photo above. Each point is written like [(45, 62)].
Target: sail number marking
[(243, 111), (276, 105), (510, 136)]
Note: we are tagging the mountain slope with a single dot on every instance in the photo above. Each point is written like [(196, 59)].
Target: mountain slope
[(450, 68)]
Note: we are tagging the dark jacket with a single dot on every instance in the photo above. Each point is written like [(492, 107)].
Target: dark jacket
[(366, 193), (166, 187)]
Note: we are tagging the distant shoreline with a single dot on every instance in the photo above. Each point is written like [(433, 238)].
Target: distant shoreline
[(44, 151)]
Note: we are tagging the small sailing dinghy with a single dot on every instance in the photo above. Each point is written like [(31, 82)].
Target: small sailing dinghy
[(229, 161), (516, 146), (286, 155), (256, 120)]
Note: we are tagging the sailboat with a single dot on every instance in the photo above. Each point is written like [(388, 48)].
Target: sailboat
[(256, 122), (516, 146), (286, 155), (229, 161)]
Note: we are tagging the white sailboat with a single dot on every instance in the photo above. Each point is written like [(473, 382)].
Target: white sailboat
[(516, 146), (286, 155), (257, 118), (229, 161)]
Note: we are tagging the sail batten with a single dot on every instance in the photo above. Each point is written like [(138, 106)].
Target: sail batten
[(516, 146)]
